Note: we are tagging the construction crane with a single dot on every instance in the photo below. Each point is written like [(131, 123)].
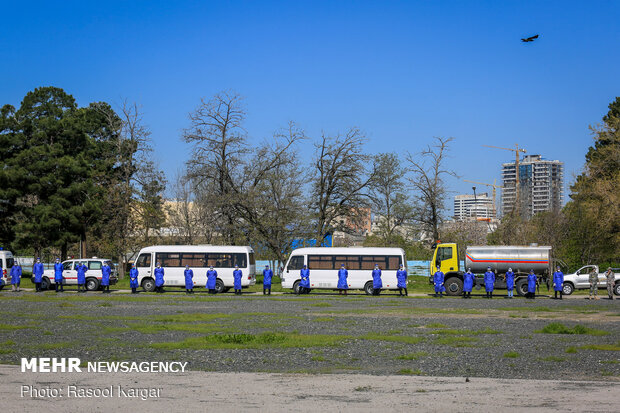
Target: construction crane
[(494, 186), (516, 150)]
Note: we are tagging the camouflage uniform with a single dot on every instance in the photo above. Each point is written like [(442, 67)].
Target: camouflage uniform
[(611, 281), (593, 283)]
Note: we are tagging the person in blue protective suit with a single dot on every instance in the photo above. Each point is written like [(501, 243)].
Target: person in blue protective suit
[(304, 284), (267, 276), (377, 284), (133, 279), (37, 271), (468, 283), (558, 282), (438, 280), (509, 277), (81, 276), (489, 282), (211, 280), (343, 285), (401, 280), (532, 281), (58, 268), (105, 277), (237, 276), (189, 280), (159, 278), (16, 276)]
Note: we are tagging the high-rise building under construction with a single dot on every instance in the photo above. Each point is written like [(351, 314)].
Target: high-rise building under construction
[(541, 185)]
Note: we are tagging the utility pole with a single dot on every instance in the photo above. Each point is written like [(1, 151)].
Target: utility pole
[(475, 204), (517, 156)]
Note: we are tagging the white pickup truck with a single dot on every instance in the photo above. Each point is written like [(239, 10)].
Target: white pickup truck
[(580, 280), (69, 273)]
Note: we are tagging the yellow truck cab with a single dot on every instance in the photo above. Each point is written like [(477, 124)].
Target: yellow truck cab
[(445, 259)]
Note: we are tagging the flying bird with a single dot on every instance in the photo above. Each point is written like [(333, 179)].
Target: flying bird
[(529, 39)]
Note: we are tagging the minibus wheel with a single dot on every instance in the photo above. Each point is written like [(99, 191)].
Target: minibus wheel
[(296, 287), (148, 284), (368, 288), (92, 284), (219, 286)]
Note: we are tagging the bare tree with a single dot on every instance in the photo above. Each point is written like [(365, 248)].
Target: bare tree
[(182, 211), (389, 198), (339, 182), (427, 172), (219, 146)]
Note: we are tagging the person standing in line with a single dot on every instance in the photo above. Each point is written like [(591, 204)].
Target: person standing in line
[(401, 278), (509, 277), (558, 282), (80, 268), (343, 285), (133, 279), (593, 279), (304, 284), (468, 283), (237, 276), (489, 282), (377, 284), (438, 280), (159, 278), (267, 276), (189, 280), (532, 282), (105, 277), (211, 280), (37, 271), (611, 282), (58, 269), (16, 277)]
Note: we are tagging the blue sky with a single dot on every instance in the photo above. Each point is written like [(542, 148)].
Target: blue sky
[(403, 72)]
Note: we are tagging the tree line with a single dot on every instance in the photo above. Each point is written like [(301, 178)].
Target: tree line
[(82, 181)]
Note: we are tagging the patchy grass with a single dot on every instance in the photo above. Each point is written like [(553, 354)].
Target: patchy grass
[(55, 346), (397, 339), (10, 327), (324, 319), (511, 355), (318, 358), (362, 388), (254, 341), (602, 347), (412, 356), (321, 304), (460, 332), (559, 328), (571, 350), (410, 372), (436, 325)]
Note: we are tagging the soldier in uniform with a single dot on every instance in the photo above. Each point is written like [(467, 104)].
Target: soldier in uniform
[(593, 278), (611, 282)]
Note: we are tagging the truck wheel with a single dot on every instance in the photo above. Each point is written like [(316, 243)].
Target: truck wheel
[(45, 283), (522, 287), (296, 287), (617, 288), (454, 286), (568, 288), (368, 288), (148, 284), (92, 284), (219, 286)]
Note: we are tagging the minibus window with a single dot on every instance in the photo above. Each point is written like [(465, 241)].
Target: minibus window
[(252, 260), (193, 259), (168, 259), (296, 263), (144, 260), (68, 265)]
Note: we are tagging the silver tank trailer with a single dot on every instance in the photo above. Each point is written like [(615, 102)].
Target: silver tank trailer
[(500, 258)]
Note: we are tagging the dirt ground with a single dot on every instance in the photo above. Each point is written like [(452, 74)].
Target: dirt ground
[(233, 392)]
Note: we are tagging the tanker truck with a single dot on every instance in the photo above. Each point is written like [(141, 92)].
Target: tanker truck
[(499, 258)]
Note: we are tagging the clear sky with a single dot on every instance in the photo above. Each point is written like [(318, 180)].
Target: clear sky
[(402, 71)]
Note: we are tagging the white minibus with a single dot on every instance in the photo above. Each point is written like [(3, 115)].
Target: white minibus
[(324, 263), (173, 259)]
